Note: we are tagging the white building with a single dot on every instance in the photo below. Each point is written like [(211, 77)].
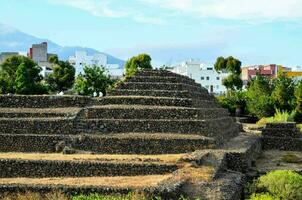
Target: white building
[(202, 73), (81, 59)]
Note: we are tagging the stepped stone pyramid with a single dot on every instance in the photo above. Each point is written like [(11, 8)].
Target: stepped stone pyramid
[(153, 112), (160, 108)]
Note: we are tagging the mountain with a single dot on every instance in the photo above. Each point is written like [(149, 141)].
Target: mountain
[(12, 39)]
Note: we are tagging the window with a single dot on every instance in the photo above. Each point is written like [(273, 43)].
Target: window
[(217, 78), (202, 78), (217, 86), (209, 68), (207, 86), (208, 78)]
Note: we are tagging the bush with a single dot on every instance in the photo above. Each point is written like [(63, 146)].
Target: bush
[(232, 101), (259, 102), (93, 80), (263, 197), (280, 116), (280, 184), (141, 61)]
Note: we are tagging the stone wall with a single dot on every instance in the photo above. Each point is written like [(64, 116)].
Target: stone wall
[(12, 168), (100, 144), (43, 101), (282, 136), (37, 126)]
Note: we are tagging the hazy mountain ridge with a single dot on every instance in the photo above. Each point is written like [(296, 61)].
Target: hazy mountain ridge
[(14, 40)]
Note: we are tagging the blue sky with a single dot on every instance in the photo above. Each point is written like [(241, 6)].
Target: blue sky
[(257, 32)]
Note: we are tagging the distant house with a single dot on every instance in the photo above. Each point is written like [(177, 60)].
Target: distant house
[(82, 59), (270, 71), (39, 54), (202, 73)]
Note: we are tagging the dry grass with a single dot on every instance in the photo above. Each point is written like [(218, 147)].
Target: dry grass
[(35, 196), (134, 182), (195, 174), (164, 158)]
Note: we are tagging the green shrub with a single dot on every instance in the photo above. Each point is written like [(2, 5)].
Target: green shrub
[(141, 61), (263, 197), (233, 100), (280, 116), (281, 184)]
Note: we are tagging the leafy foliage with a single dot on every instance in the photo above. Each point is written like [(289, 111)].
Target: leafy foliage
[(233, 66), (283, 93), (279, 116), (282, 184), (93, 80), (263, 197), (233, 100), (259, 102), (141, 61), (62, 77), (298, 102), (28, 80), (19, 74)]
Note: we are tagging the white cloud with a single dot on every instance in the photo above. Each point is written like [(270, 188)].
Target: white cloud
[(141, 10), (107, 8), (235, 9)]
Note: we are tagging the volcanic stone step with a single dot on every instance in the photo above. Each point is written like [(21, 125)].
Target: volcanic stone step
[(36, 125), (159, 86), (210, 128), (287, 125), (143, 100), (127, 143), (162, 73), (166, 79), (37, 112), (82, 185), (152, 112), (12, 168), (281, 132), (161, 93)]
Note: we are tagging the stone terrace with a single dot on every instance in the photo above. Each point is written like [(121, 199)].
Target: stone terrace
[(153, 116)]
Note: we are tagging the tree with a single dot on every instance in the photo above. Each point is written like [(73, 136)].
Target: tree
[(141, 61), (8, 72), (233, 66), (53, 59), (298, 102), (283, 93), (93, 80), (259, 102), (62, 77), (28, 80)]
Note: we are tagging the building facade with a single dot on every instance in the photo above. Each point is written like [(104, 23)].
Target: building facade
[(82, 59), (270, 71), (203, 74), (39, 54)]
